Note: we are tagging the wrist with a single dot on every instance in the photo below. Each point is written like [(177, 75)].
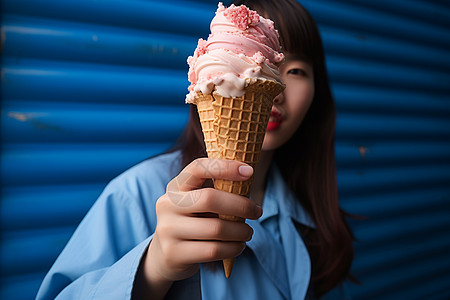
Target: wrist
[(148, 282)]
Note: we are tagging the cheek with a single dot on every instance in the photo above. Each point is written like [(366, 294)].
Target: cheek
[(299, 100)]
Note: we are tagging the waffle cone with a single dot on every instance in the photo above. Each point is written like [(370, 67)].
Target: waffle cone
[(234, 128)]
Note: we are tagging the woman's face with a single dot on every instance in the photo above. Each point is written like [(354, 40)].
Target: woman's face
[(291, 105)]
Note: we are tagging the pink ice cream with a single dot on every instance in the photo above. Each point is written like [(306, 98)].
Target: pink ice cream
[(242, 48)]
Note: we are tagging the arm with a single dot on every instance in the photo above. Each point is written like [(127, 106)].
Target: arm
[(102, 255)]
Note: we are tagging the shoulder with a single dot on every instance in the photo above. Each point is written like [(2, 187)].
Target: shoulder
[(164, 166), (133, 194), (139, 187), (153, 173)]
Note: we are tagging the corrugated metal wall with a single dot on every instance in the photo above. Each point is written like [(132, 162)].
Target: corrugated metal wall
[(90, 88)]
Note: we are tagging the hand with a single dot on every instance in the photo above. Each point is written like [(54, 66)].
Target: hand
[(188, 230)]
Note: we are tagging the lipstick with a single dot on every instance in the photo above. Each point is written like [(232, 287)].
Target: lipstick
[(275, 120)]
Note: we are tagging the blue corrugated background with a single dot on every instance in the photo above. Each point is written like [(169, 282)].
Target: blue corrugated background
[(91, 87)]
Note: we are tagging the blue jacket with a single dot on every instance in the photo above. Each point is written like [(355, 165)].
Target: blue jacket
[(101, 259)]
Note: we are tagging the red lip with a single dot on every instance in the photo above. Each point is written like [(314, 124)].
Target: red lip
[(277, 118), (273, 125)]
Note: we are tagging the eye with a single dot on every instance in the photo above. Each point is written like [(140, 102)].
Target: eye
[(297, 71)]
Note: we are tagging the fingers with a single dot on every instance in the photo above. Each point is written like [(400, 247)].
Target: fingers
[(194, 252), (184, 190), (191, 241), (212, 229), (193, 176), (213, 251), (209, 200), (188, 230), (224, 203)]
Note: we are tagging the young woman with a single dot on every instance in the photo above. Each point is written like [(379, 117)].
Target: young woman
[(153, 231)]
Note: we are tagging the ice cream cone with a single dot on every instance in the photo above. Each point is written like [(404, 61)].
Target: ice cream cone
[(241, 56), (234, 128)]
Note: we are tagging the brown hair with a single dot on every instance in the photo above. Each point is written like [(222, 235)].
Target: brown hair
[(307, 160)]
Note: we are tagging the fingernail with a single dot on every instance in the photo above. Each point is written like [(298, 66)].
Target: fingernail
[(246, 171)]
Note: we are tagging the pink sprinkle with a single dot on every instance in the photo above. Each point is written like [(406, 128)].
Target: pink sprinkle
[(279, 57), (258, 58), (254, 17), (214, 76), (192, 77), (241, 16), (220, 7), (201, 47)]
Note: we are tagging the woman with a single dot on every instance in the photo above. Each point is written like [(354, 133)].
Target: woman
[(154, 227)]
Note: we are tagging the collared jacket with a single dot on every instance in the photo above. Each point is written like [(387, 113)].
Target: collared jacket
[(101, 259)]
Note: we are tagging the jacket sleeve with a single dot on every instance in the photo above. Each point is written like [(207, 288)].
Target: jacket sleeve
[(101, 259)]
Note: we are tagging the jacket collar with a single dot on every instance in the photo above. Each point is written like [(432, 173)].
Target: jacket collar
[(279, 199)]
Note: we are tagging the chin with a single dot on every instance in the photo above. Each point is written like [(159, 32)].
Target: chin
[(269, 144), (275, 139)]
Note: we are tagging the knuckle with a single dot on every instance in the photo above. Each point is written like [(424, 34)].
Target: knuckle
[(198, 163), (165, 203), (207, 196), (217, 228), (172, 186), (245, 208), (213, 251), (190, 166), (202, 161), (161, 203), (205, 167), (164, 230)]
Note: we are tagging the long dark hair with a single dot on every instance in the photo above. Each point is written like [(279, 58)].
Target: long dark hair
[(307, 160)]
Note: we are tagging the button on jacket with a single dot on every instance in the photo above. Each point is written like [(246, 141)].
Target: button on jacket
[(101, 259)]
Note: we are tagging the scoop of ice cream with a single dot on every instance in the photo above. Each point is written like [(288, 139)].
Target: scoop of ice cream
[(242, 48)]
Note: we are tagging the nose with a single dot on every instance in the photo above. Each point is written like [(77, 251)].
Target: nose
[(279, 98)]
